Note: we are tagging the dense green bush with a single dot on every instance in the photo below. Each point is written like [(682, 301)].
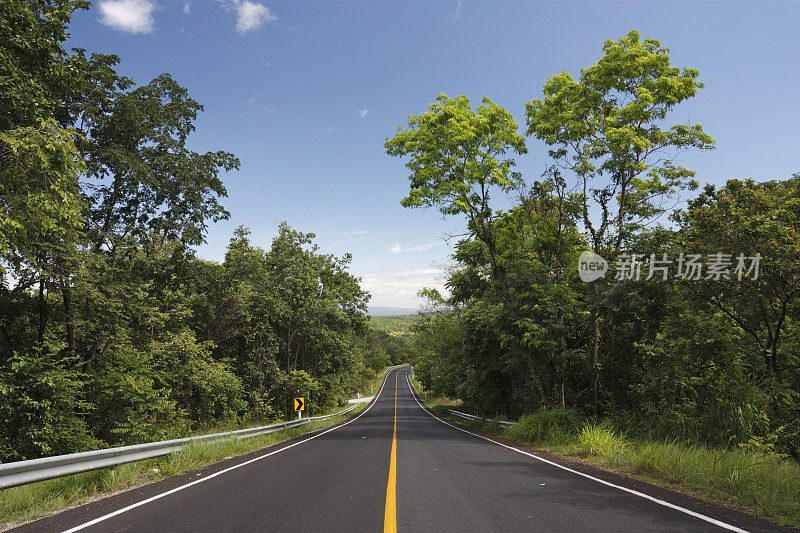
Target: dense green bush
[(548, 426)]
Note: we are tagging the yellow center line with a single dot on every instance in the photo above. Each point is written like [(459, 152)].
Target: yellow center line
[(390, 515)]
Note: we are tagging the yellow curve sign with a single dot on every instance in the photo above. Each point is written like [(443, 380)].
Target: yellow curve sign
[(299, 404)]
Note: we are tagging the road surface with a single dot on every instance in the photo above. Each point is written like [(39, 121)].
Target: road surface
[(393, 467)]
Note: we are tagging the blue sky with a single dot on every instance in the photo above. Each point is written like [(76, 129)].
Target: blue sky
[(305, 93)]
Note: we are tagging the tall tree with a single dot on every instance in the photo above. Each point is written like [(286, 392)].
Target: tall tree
[(606, 128), (457, 157)]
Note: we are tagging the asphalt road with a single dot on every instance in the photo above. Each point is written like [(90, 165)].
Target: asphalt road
[(342, 479)]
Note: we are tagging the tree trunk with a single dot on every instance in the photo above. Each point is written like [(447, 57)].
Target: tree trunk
[(43, 311), (66, 293), (775, 357), (767, 364), (289, 344), (260, 373), (595, 351)]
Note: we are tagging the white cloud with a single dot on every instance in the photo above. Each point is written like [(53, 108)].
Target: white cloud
[(363, 113), (270, 110), (355, 232), (252, 100), (397, 248), (457, 14), (330, 130), (252, 15), (132, 16), (267, 64), (400, 287), (187, 7)]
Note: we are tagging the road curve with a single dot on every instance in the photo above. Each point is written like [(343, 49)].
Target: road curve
[(440, 479)]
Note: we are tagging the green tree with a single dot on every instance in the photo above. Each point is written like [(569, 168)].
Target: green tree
[(606, 128), (206, 389), (741, 220), (149, 182), (41, 408), (39, 195), (541, 243), (39, 160), (457, 156)]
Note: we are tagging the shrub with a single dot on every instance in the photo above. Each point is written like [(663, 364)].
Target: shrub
[(547, 425)]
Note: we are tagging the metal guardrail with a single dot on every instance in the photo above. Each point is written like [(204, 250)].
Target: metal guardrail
[(24, 472), (467, 416)]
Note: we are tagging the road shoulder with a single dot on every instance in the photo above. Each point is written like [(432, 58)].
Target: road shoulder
[(730, 515)]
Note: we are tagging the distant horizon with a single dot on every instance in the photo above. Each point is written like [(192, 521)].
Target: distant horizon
[(377, 310)]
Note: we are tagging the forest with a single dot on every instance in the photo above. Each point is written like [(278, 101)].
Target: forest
[(112, 330), (691, 334)]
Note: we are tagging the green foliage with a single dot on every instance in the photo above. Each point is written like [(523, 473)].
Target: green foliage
[(300, 383), (149, 182), (39, 171), (744, 219), (455, 154), (275, 312), (39, 161), (129, 405), (393, 325), (206, 389), (373, 348), (41, 409), (437, 349), (457, 158), (35, 65)]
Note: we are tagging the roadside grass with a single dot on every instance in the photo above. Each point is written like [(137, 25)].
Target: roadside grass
[(553, 426), (765, 485), (439, 404), (760, 484), (37, 500), (600, 440)]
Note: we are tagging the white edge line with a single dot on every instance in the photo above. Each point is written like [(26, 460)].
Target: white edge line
[(631, 491), (234, 467)]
